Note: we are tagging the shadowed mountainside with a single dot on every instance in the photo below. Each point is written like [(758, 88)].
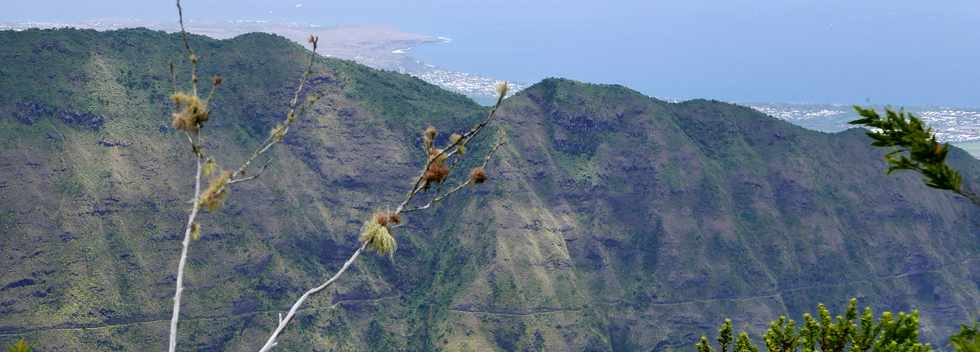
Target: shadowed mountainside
[(612, 221)]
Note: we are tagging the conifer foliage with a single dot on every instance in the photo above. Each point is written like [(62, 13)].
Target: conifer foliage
[(886, 333), (915, 148), (967, 340)]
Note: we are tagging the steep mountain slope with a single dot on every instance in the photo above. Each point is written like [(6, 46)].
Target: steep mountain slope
[(612, 221)]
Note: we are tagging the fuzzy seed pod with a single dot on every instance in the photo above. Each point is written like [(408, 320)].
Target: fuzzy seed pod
[(429, 136), (209, 167), (278, 133), (195, 231), (386, 219), (478, 175), (394, 218), (212, 198), (458, 138), (502, 88), (192, 112), (436, 173), (381, 218), (378, 238), (216, 80)]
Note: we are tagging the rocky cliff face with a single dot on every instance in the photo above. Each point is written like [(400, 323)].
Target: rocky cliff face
[(612, 221)]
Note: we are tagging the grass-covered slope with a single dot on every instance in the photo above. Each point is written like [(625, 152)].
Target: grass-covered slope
[(612, 221)]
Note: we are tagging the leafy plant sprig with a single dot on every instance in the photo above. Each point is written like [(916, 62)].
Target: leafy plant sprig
[(915, 148), (967, 340)]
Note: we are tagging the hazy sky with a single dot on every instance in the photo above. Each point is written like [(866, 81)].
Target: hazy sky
[(900, 52)]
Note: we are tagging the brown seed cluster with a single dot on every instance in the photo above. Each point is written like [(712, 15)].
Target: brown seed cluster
[(191, 113), (385, 219), (394, 218), (478, 175), (437, 171)]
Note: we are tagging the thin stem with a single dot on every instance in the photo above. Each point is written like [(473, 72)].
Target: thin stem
[(283, 321), (183, 33), (290, 118), (183, 257), (254, 176), (173, 77), (187, 46), (211, 94)]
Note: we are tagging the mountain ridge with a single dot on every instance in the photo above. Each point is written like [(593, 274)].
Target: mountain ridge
[(615, 220)]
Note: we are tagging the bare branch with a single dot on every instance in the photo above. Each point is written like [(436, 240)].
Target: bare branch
[(187, 46), (183, 33), (272, 139), (254, 176), (183, 257), (283, 322)]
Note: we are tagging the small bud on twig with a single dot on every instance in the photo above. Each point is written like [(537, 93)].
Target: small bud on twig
[(195, 231), (278, 133), (478, 175), (209, 167), (456, 138), (216, 80)]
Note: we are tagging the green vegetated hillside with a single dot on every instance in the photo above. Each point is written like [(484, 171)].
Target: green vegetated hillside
[(612, 221)]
